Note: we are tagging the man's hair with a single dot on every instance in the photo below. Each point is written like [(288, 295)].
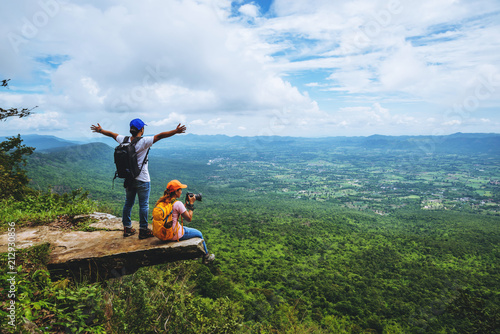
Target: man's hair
[(134, 131)]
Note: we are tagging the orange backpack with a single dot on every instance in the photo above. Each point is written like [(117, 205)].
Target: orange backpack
[(162, 221)]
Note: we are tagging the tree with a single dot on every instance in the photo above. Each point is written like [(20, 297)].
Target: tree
[(13, 178), (473, 314)]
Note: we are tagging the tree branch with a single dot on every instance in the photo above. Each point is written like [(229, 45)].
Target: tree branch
[(4, 113)]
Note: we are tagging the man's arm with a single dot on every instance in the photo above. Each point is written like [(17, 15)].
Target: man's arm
[(99, 129), (180, 129)]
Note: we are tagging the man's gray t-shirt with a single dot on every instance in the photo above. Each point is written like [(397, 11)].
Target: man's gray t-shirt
[(141, 147)]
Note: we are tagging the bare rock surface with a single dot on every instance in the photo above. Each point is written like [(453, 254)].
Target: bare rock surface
[(103, 253)]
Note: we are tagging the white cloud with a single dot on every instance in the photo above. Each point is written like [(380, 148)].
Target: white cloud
[(174, 96), (374, 115), (453, 122), (197, 122), (10, 100), (213, 123), (49, 121), (249, 9), (172, 119), (217, 123), (386, 47), (186, 64), (402, 70), (221, 65)]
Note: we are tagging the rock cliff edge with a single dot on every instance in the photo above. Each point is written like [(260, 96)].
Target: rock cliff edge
[(103, 253)]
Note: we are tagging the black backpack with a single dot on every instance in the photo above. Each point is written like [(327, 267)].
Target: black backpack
[(126, 160)]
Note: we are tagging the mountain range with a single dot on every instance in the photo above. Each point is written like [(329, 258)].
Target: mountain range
[(42, 142), (455, 143)]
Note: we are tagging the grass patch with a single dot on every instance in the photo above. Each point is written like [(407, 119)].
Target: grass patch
[(40, 208)]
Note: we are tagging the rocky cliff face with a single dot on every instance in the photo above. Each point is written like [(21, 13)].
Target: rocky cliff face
[(103, 253)]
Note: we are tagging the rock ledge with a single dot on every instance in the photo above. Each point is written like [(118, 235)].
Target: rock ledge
[(104, 253)]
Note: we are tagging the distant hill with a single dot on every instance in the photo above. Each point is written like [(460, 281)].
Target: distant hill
[(456, 143), (84, 152), (72, 167), (41, 142)]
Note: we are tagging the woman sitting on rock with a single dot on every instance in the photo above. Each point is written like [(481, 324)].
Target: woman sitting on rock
[(174, 191)]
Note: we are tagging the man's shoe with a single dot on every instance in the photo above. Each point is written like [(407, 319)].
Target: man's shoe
[(128, 231), (208, 258), (145, 233)]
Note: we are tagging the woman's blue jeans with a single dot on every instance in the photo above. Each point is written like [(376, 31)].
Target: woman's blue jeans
[(141, 189), (190, 233)]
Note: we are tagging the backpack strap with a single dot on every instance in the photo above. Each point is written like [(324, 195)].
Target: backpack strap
[(166, 218), (182, 226), (133, 142), (145, 160)]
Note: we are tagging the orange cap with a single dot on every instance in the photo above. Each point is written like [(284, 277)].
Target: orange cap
[(174, 185)]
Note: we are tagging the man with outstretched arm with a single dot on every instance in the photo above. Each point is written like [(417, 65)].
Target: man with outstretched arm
[(141, 185)]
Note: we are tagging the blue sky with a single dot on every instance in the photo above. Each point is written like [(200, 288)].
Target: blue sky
[(286, 68)]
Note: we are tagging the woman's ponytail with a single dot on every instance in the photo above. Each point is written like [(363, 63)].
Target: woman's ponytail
[(167, 197)]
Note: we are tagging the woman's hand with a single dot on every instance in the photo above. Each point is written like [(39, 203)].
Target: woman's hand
[(191, 199)]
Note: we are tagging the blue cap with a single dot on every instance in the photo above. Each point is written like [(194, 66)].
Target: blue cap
[(137, 123)]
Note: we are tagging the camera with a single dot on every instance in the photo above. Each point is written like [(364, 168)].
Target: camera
[(196, 196)]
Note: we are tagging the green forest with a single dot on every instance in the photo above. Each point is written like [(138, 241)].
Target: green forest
[(310, 237)]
